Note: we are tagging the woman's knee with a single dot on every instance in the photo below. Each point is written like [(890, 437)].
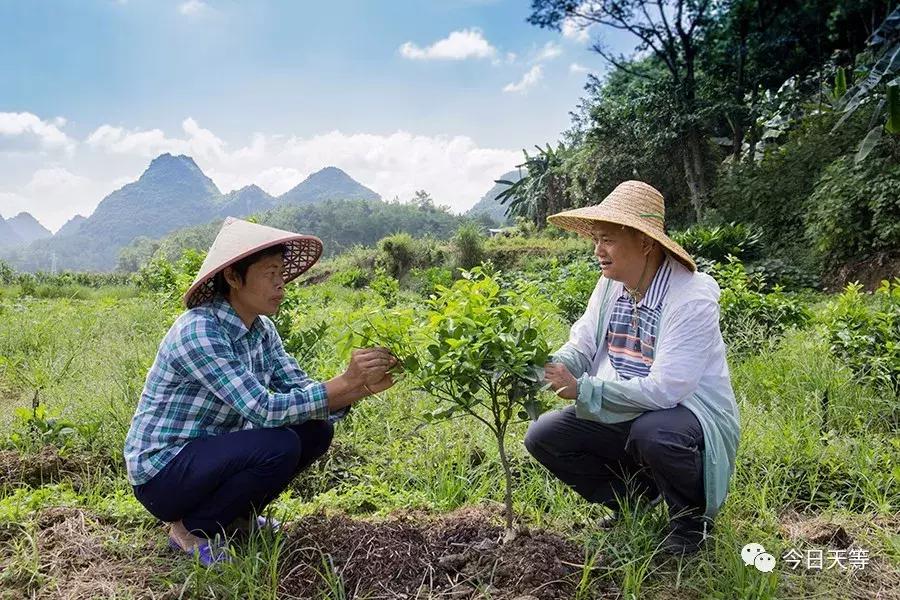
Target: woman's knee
[(284, 447), (317, 438)]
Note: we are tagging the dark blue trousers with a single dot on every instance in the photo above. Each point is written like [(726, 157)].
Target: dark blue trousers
[(217, 479), (661, 451)]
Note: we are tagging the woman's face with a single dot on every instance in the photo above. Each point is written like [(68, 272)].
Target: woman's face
[(620, 252), (263, 287)]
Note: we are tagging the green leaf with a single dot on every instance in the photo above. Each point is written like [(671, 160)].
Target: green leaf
[(893, 108), (868, 144), (840, 83)]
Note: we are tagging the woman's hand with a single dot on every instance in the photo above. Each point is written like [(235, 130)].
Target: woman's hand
[(379, 386), (368, 366), (563, 382)]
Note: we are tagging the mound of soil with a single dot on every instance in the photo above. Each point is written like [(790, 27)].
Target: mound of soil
[(46, 466), (459, 555), (79, 561), (34, 469)]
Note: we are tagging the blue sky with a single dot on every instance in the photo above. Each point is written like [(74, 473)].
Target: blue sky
[(402, 95)]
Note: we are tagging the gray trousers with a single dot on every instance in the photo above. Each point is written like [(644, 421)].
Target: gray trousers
[(659, 452)]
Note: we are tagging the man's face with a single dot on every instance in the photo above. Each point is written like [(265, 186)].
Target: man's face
[(619, 251), (263, 287)]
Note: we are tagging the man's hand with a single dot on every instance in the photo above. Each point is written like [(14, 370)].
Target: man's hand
[(563, 382), (368, 366)]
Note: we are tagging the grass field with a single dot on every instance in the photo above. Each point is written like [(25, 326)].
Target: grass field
[(818, 470)]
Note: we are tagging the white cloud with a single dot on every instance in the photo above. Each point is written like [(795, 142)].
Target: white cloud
[(576, 29), (528, 81), (395, 164), (459, 45), (578, 69), (193, 8), (53, 195), (47, 133), (199, 143), (548, 52)]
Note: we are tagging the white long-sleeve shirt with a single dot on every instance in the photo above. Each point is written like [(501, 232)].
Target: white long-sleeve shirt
[(689, 368)]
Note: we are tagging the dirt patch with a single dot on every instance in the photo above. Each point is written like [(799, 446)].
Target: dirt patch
[(46, 466), (878, 578), (77, 559), (869, 272), (459, 555)]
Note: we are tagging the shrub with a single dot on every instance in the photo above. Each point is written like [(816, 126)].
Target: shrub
[(749, 316), (397, 254), (427, 281), (855, 209), (716, 243), (353, 277), (475, 349), (864, 331), (568, 286), (468, 245), (386, 287)]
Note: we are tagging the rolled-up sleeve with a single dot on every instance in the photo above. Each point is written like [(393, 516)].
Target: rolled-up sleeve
[(679, 363), (204, 354)]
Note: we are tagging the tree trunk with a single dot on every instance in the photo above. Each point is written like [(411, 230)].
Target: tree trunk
[(694, 172), (508, 476)]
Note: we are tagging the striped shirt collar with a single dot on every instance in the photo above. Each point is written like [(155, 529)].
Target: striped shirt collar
[(659, 285)]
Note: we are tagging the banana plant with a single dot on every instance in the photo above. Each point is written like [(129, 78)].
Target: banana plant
[(878, 83)]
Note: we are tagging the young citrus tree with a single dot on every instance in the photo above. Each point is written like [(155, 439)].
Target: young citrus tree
[(477, 348)]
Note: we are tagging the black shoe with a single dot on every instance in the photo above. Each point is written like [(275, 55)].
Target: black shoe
[(609, 521), (686, 535)]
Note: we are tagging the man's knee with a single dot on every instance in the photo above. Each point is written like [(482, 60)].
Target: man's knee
[(657, 438), (539, 435)]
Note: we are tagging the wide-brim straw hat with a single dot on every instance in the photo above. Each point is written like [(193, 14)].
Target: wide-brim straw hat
[(634, 204), (238, 239)]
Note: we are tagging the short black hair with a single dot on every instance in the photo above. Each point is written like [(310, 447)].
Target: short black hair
[(221, 287)]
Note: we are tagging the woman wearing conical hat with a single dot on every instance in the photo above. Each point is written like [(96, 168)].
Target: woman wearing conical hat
[(654, 416), (227, 418)]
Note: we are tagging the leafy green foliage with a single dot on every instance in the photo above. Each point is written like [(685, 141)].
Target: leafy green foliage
[(352, 277), (855, 209), (386, 287), (750, 317), (468, 245), (397, 254), (426, 282), (864, 331), (34, 428), (568, 286), (476, 348), (717, 242)]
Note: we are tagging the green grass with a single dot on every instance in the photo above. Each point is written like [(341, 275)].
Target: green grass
[(800, 461)]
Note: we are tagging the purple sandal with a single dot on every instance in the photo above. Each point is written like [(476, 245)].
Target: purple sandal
[(207, 553)]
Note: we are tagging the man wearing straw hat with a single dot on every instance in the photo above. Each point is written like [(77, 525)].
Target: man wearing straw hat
[(227, 418), (654, 415)]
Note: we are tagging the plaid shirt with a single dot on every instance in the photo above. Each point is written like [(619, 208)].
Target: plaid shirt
[(213, 375)]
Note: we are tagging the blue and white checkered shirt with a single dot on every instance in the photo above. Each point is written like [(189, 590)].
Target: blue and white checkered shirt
[(213, 375)]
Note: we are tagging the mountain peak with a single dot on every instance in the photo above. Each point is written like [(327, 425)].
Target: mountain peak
[(330, 183), (28, 228)]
